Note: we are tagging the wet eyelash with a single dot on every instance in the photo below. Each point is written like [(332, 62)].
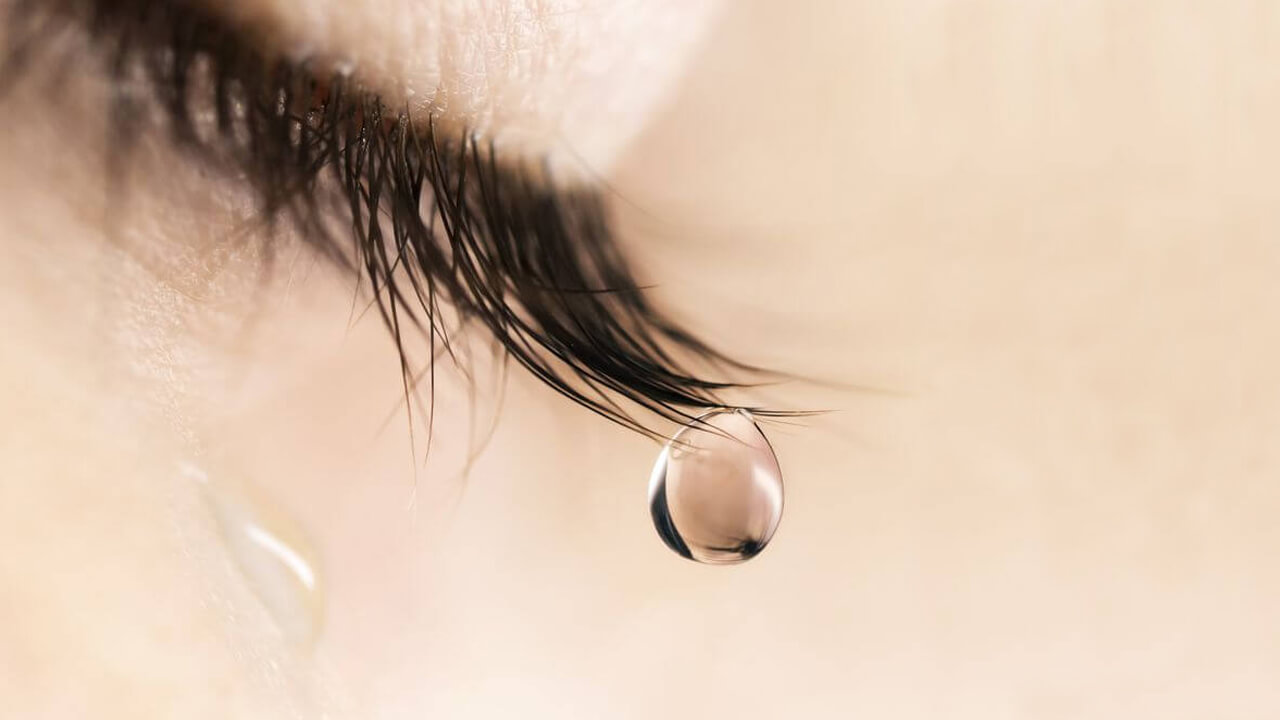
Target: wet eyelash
[(429, 219)]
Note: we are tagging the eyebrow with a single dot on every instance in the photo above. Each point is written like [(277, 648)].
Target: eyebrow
[(428, 217)]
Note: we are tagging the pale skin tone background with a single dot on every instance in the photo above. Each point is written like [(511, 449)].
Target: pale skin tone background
[(1043, 234)]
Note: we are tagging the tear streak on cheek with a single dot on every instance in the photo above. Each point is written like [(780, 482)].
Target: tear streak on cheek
[(271, 550)]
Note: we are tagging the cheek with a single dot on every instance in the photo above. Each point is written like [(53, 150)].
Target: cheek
[(118, 592), (121, 588)]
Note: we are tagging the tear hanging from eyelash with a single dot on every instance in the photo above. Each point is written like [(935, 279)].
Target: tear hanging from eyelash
[(431, 219)]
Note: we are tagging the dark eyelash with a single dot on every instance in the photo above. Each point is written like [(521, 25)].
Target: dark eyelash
[(434, 218)]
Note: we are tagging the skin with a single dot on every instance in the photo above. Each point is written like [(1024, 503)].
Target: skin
[(1040, 238), (569, 80)]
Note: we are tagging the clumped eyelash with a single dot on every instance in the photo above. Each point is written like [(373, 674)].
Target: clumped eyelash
[(428, 218)]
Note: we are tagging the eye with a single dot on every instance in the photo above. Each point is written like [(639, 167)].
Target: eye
[(454, 236), (444, 229)]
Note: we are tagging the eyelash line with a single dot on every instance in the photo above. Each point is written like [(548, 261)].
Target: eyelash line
[(537, 266)]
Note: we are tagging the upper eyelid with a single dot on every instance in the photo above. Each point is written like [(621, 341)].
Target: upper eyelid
[(435, 216)]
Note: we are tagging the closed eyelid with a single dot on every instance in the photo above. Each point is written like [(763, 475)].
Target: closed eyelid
[(430, 216), (570, 81)]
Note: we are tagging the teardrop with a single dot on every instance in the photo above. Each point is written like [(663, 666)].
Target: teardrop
[(715, 494)]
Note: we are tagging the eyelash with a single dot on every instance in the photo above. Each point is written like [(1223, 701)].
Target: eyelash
[(434, 218)]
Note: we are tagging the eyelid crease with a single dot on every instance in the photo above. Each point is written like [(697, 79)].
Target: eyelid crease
[(430, 217)]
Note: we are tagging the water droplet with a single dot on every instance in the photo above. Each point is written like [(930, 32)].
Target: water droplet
[(716, 491), (272, 552)]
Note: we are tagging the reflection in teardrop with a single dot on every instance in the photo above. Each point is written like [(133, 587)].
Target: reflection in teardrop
[(272, 552), (716, 491)]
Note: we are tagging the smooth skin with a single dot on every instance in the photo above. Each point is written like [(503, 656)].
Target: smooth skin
[(1028, 248)]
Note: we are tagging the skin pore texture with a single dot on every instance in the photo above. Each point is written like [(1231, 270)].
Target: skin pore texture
[(569, 79), (1040, 235)]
